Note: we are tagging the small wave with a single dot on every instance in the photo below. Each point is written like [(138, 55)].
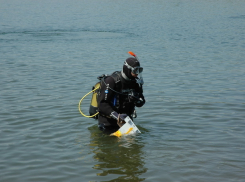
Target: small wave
[(238, 17), (53, 32)]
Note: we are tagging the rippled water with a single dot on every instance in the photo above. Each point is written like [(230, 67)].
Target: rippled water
[(192, 124)]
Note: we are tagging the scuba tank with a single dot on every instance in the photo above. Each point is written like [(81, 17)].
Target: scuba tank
[(93, 109)]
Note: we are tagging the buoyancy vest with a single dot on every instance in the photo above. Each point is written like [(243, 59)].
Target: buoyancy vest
[(94, 101)]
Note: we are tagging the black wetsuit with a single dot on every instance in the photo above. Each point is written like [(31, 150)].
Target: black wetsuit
[(109, 100)]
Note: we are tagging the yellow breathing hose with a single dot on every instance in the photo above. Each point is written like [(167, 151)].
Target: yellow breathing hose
[(79, 105)]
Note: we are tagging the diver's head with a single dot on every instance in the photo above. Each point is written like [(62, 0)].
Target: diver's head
[(131, 68)]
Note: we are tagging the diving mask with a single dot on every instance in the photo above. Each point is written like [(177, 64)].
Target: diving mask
[(135, 70)]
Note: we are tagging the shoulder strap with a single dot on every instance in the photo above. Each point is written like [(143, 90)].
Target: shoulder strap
[(116, 77)]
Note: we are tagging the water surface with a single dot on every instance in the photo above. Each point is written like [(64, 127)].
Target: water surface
[(192, 123)]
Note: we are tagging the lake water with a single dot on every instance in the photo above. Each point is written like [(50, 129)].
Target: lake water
[(193, 122)]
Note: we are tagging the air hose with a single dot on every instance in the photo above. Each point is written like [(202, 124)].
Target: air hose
[(79, 105)]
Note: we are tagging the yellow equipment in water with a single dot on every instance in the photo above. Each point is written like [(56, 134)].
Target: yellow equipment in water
[(93, 110), (128, 128)]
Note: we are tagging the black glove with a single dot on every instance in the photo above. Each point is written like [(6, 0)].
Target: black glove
[(118, 117), (133, 96), (139, 101)]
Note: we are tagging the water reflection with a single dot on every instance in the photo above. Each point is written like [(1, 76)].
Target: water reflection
[(118, 158)]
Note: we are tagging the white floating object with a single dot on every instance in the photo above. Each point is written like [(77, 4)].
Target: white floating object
[(127, 129)]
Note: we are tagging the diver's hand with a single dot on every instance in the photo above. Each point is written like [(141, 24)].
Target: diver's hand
[(118, 117), (140, 102), (133, 96)]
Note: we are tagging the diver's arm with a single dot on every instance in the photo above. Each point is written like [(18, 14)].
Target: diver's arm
[(141, 101), (106, 96)]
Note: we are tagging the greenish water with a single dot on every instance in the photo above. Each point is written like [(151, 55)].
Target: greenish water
[(192, 124)]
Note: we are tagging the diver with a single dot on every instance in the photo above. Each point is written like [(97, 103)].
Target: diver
[(119, 93)]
